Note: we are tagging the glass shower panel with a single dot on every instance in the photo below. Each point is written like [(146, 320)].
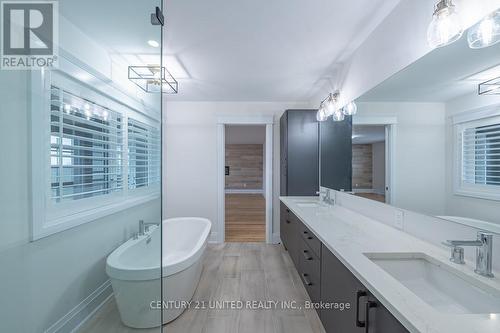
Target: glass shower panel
[(80, 193)]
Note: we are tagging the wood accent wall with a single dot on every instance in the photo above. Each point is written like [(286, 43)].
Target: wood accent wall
[(246, 164), (362, 166)]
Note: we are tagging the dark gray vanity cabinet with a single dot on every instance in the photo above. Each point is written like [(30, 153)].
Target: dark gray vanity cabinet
[(340, 286), (366, 314), (288, 232), (299, 153), (327, 280)]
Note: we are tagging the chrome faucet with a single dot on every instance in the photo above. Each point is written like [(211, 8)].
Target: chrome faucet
[(484, 252), (327, 198), (143, 227)]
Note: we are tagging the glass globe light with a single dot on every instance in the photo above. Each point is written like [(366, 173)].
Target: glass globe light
[(338, 116), (445, 27), (331, 104), (486, 32), (321, 114), (350, 109)]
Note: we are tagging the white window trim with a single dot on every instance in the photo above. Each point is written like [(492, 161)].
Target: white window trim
[(44, 222), (460, 122)]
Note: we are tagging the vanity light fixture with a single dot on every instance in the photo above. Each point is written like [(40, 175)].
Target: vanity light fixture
[(445, 27), (153, 79), (331, 103), (338, 116), (321, 114), (350, 109), (486, 32)]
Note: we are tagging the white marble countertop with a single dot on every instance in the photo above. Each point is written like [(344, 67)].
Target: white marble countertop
[(349, 235)]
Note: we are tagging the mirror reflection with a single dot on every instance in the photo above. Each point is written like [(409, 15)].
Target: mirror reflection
[(428, 138)]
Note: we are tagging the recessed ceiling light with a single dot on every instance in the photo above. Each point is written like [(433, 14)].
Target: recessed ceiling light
[(153, 43)]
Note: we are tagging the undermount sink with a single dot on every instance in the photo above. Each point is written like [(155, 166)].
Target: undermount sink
[(439, 285), (308, 204)]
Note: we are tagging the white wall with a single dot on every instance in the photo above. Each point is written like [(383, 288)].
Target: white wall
[(419, 150), (190, 154), (378, 167), (456, 205)]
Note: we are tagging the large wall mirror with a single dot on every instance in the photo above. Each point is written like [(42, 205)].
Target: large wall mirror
[(428, 138)]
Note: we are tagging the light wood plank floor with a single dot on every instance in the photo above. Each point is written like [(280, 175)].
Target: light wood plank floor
[(245, 218), (372, 196), (234, 271)]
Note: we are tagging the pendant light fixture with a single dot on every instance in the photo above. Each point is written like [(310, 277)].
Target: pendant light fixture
[(350, 109), (445, 27), (486, 32)]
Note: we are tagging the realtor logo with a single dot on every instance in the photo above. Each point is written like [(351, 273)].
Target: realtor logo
[(29, 34)]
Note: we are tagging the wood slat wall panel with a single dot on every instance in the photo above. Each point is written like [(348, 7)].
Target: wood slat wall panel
[(246, 166), (362, 167)]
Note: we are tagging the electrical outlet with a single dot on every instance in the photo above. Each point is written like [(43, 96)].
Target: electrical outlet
[(399, 219)]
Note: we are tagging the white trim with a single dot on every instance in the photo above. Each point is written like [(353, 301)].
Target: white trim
[(269, 181), (83, 311), (221, 146), (221, 174), (244, 191), (476, 114)]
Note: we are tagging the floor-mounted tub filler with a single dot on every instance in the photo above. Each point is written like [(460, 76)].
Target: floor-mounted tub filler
[(135, 272)]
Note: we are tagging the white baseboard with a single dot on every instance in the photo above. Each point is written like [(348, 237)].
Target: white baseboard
[(214, 237), (77, 316), (276, 238)]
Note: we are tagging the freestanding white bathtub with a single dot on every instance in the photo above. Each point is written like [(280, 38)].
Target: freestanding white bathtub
[(135, 271)]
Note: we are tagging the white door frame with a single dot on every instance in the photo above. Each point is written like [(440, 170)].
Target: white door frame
[(390, 124), (222, 121)]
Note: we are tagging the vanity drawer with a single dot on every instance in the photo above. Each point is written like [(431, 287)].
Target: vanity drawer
[(311, 240), (310, 271)]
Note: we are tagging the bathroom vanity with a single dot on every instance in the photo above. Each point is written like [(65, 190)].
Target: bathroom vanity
[(394, 282), (327, 280)]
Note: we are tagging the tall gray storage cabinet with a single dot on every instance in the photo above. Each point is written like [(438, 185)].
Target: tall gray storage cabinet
[(299, 150)]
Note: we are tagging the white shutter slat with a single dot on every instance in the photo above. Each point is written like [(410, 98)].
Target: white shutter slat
[(86, 150)]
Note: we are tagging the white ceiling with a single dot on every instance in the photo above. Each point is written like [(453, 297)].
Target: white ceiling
[(237, 50), (366, 134), (441, 75), (263, 50)]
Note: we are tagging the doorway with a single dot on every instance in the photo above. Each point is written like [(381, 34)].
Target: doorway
[(245, 202), (370, 162)]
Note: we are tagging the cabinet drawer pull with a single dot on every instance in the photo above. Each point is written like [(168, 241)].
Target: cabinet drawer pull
[(288, 210), (306, 255), (310, 237), (359, 294), (305, 232), (288, 221), (306, 280), (368, 306)]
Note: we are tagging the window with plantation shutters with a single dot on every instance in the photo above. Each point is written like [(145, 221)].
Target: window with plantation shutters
[(86, 148), (95, 151), (479, 158), (143, 155)]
